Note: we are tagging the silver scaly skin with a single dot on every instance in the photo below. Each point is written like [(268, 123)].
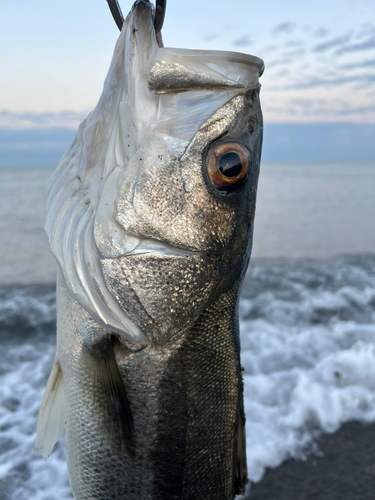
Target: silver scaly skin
[(150, 217)]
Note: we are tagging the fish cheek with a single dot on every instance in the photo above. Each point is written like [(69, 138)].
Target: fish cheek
[(164, 294)]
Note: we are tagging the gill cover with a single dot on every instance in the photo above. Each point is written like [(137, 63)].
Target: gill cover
[(148, 87)]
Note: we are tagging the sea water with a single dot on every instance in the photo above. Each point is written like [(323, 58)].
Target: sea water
[(307, 323)]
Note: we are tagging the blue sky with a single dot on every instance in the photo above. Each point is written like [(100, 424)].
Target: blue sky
[(319, 55)]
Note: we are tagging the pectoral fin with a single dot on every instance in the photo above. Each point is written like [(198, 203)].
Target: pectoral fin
[(240, 462), (51, 418), (110, 398)]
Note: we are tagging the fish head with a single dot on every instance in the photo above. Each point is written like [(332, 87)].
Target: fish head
[(173, 195)]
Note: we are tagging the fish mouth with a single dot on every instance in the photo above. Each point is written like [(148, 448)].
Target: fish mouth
[(151, 246), (162, 289)]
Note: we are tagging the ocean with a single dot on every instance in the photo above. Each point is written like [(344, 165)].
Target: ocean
[(307, 315)]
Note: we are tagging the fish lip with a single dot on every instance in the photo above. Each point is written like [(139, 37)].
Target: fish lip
[(154, 246)]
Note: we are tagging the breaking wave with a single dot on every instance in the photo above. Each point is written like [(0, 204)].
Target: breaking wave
[(308, 349)]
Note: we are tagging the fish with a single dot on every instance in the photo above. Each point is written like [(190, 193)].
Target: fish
[(150, 217)]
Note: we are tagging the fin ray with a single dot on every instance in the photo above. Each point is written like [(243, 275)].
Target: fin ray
[(51, 420), (117, 417)]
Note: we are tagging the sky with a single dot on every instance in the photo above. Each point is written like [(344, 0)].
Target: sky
[(319, 56)]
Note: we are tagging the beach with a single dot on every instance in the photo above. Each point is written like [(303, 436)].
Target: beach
[(342, 467)]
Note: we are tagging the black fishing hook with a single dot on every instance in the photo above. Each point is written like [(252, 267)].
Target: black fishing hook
[(160, 8)]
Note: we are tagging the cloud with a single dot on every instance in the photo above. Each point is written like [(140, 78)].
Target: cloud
[(282, 73), (312, 82), (294, 43), (285, 57), (322, 32), (320, 109), (334, 42), (359, 110), (295, 53), (287, 27), (269, 48), (344, 43), (278, 62), (367, 29), (243, 40), (356, 47), (210, 38), (358, 65), (63, 119), (36, 146), (324, 107), (309, 103), (318, 141)]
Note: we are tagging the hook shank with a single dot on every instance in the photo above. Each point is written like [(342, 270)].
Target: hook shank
[(116, 13), (160, 7)]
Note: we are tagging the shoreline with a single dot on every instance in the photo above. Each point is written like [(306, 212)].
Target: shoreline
[(342, 469)]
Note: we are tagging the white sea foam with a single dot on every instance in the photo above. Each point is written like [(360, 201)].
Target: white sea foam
[(25, 361), (308, 349)]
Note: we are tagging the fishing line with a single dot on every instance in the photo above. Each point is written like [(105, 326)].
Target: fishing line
[(160, 8)]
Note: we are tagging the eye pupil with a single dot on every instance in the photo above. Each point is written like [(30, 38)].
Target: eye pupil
[(227, 164), (230, 165)]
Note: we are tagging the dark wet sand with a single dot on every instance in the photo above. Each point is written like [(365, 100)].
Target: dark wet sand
[(345, 471)]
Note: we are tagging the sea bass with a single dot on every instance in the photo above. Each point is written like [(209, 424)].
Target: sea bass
[(150, 217)]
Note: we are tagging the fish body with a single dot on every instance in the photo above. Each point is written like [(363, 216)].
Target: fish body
[(150, 217)]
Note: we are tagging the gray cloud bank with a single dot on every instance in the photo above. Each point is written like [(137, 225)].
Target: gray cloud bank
[(310, 82), (41, 146), (282, 142), (357, 47), (319, 142), (334, 42), (63, 119), (361, 64)]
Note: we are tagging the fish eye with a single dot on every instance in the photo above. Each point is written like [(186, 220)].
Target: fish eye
[(227, 165)]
